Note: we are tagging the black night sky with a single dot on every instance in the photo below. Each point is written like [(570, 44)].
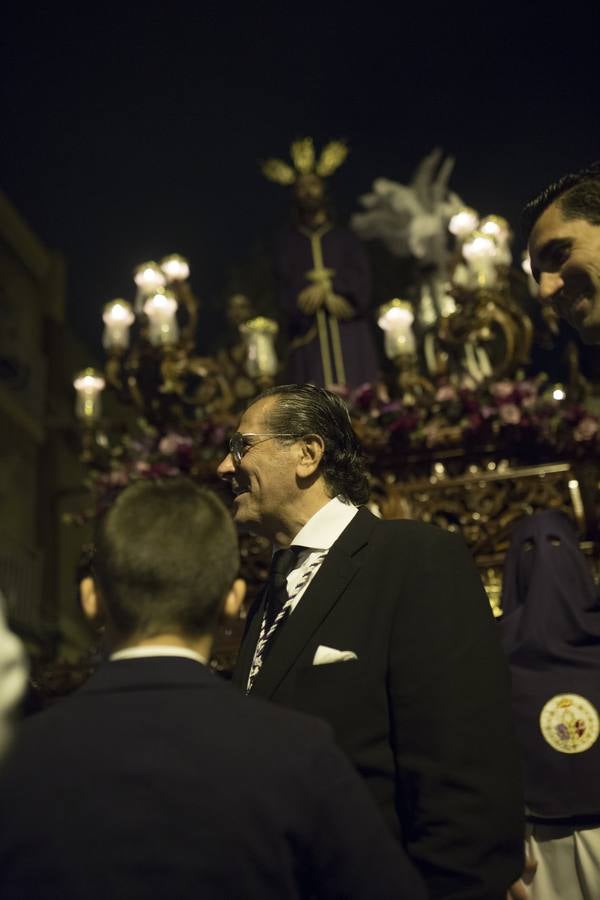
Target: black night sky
[(133, 132)]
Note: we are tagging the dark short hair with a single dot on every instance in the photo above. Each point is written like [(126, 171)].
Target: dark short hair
[(577, 195), (306, 409), (166, 555)]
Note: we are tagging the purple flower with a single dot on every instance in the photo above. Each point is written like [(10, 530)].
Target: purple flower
[(526, 389), (161, 469), (363, 396), (117, 478), (403, 423), (171, 443), (218, 436), (135, 447), (446, 392), (586, 429), (510, 413), (340, 389), (394, 406), (470, 403), (572, 414), (502, 389), (431, 433)]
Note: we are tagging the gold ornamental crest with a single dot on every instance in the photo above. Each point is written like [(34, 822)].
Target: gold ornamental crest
[(306, 162), (569, 723)]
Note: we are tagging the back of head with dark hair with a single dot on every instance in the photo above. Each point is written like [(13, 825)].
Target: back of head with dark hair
[(166, 555), (305, 409), (577, 194)]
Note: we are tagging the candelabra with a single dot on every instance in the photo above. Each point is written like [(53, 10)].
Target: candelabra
[(465, 322), (396, 319), (151, 362)]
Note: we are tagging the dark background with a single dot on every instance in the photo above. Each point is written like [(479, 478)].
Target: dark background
[(130, 133)]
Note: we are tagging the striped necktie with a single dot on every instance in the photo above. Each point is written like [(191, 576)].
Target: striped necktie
[(281, 565), (274, 614)]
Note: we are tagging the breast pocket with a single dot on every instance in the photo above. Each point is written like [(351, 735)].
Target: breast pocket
[(337, 692), (310, 677)]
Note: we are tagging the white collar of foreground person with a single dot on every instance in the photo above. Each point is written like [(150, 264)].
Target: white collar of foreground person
[(144, 651), (169, 643)]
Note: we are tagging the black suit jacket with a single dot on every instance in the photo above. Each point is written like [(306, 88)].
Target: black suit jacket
[(424, 712), (159, 780)]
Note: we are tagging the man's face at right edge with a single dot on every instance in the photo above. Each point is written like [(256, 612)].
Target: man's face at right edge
[(565, 261)]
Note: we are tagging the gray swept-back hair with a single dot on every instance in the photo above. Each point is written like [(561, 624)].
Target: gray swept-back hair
[(306, 409)]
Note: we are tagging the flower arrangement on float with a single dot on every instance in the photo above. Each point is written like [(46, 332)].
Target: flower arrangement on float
[(522, 417), (145, 452), (526, 419)]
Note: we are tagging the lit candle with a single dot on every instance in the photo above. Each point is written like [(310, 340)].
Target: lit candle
[(499, 229), (496, 227), (149, 276), (175, 267), (395, 319), (89, 385), (118, 318), (160, 308), (463, 222), (259, 334), (480, 251)]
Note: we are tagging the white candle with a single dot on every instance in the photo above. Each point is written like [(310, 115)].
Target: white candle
[(118, 318), (259, 335), (160, 308), (395, 319), (89, 385)]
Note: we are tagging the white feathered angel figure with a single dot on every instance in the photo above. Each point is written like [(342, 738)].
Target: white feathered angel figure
[(412, 220)]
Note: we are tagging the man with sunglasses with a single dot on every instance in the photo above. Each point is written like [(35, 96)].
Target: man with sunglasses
[(383, 629)]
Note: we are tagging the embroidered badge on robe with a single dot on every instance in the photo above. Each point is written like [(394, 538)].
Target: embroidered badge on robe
[(569, 723)]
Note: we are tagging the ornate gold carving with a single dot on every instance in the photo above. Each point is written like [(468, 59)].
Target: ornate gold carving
[(278, 171), (488, 336), (303, 157), (483, 506), (332, 157)]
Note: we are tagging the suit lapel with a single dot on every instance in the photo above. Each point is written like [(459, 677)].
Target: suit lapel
[(324, 591)]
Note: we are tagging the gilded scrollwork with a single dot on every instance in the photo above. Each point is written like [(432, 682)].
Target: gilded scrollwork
[(483, 504), (488, 336)]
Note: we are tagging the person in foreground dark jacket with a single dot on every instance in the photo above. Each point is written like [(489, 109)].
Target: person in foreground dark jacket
[(157, 779)]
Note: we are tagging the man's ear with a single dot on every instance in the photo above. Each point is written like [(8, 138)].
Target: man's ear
[(312, 449), (234, 599), (89, 599)]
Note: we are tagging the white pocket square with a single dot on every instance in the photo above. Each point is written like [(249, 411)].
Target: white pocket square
[(324, 655)]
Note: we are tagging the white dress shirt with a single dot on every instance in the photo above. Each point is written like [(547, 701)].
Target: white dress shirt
[(318, 535)]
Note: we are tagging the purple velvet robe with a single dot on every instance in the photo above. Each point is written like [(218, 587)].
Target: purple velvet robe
[(344, 253), (551, 635)]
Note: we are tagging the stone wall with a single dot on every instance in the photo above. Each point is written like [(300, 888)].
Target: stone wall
[(40, 474)]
